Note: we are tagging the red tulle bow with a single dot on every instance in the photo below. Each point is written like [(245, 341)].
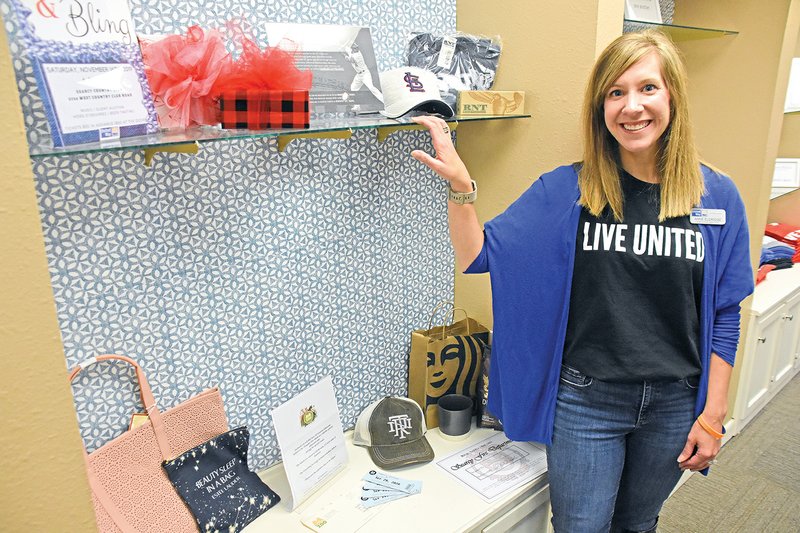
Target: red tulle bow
[(270, 69), (182, 71)]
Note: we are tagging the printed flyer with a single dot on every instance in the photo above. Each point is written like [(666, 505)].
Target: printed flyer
[(311, 440), (88, 68)]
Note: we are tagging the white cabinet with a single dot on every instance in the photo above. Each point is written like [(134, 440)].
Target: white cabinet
[(531, 514), (771, 355), (756, 373), (786, 350)]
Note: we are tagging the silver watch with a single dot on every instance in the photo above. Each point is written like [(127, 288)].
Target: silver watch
[(462, 198)]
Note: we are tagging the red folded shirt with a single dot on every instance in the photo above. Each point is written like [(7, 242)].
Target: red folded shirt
[(783, 232), (761, 275)]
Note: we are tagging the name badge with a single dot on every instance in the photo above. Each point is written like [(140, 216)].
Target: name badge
[(714, 217)]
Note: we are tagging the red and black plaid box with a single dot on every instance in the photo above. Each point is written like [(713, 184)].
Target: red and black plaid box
[(257, 109)]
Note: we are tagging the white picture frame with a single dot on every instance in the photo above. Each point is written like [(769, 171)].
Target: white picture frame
[(787, 173), (643, 11)]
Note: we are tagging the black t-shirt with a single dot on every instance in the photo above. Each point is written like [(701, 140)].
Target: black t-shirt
[(635, 303)]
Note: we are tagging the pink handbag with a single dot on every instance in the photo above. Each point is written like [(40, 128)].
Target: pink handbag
[(130, 490)]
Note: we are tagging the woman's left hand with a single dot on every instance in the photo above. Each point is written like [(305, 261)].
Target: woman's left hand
[(701, 448)]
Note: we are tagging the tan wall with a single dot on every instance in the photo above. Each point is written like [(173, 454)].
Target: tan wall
[(736, 130), (548, 50), (44, 484), (790, 135), (785, 209)]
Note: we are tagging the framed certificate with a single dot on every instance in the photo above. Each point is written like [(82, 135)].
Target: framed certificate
[(643, 11), (787, 173)]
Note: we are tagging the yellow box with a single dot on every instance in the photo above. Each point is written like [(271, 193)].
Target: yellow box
[(479, 103)]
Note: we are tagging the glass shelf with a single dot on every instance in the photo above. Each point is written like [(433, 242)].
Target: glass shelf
[(677, 31), (319, 128)]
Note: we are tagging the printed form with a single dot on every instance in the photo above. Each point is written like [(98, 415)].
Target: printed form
[(496, 465)]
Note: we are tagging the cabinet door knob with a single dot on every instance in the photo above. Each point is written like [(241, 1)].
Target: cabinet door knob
[(788, 317), (762, 339)]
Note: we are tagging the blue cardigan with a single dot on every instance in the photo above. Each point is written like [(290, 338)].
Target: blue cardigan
[(529, 252)]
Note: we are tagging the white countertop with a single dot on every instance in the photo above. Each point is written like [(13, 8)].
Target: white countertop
[(444, 505), (777, 286)]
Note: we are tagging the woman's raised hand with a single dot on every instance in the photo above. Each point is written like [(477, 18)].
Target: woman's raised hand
[(465, 231), (446, 164)]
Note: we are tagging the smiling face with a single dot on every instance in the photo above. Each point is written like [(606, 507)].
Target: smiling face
[(637, 110)]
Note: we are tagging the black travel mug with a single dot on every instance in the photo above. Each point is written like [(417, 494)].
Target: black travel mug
[(455, 415)]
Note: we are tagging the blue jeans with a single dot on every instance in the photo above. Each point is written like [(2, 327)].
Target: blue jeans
[(613, 460)]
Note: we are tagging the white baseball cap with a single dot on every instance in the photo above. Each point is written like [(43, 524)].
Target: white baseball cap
[(412, 89)]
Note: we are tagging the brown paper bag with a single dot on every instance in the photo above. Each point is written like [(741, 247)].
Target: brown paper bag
[(445, 359)]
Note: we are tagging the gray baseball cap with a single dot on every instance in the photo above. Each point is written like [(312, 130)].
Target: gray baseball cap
[(393, 431)]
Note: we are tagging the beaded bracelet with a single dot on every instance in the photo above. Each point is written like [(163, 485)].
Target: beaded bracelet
[(710, 430)]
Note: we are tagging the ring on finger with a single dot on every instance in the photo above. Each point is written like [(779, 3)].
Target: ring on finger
[(446, 128), (712, 462)]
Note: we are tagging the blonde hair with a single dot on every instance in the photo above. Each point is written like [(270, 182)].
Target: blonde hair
[(678, 164)]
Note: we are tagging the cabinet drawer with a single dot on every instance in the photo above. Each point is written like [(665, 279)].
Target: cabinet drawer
[(518, 513)]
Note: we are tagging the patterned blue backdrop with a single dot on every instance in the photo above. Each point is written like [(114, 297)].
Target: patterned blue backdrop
[(242, 267)]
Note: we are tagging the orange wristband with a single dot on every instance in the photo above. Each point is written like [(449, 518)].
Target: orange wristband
[(705, 425)]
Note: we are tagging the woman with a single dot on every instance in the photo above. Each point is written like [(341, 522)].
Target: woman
[(616, 285)]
